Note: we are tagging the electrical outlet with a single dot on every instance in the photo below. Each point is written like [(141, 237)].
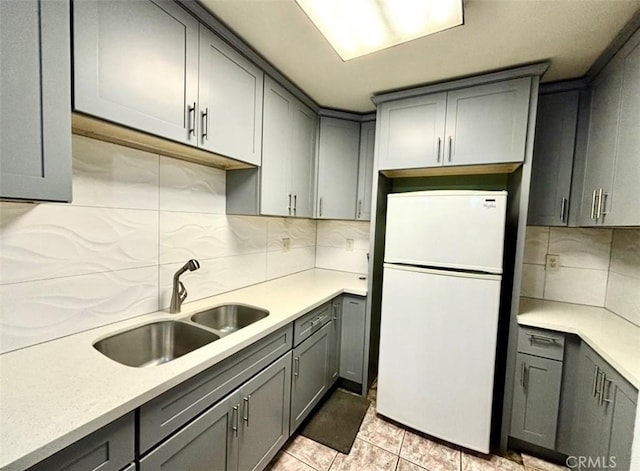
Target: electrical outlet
[(286, 244), (553, 263), (349, 245)]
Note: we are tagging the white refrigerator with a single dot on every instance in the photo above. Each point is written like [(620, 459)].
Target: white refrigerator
[(440, 302)]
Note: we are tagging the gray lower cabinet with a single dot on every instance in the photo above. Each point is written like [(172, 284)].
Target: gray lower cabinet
[(35, 91), (241, 432), (338, 148), (536, 399), (334, 344), (109, 449), (310, 372), (552, 163), (607, 404), (352, 338)]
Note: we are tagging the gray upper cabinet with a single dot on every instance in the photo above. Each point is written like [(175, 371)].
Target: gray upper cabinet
[(412, 132), (352, 338), (339, 143), (172, 78), (35, 91), (288, 149), (552, 165), (611, 171), (487, 123), (484, 124), (229, 101), (365, 170), (142, 77)]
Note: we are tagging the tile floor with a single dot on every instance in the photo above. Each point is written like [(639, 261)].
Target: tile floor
[(383, 446)]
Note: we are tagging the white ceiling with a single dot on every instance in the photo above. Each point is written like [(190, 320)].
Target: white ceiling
[(497, 34)]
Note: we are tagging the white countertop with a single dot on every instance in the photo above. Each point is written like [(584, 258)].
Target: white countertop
[(57, 392), (612, 337)]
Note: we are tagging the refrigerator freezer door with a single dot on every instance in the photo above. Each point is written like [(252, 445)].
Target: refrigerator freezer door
[(437, 353), (450, 229)]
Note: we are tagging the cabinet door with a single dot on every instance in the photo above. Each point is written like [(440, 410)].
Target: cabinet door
[(412, 132), (136, 64), (334, 344), (303, 148), (553, 159), (586, 430), (365, 170), (108, 449), (536, 399), (310, 366), (208, 442), (352, 338), (338, 168), (622, 203), (487, 124), (35, 91), (275, 191), (601, 145), (230, 101), (619, 404), (265, 415)]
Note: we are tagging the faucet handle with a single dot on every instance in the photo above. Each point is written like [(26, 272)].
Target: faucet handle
[(182, 292)]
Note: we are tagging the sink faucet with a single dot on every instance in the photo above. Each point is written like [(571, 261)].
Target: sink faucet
[(179, 293)]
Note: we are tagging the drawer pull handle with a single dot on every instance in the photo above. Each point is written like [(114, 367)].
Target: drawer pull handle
[(542, 338)]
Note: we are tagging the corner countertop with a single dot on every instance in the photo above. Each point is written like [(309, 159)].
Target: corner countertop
[(57, 392), (612, 337)]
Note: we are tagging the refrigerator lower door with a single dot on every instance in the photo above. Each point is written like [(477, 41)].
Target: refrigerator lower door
[(437, 352)]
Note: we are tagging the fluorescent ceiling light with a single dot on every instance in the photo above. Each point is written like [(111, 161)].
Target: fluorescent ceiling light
[(358, 27)]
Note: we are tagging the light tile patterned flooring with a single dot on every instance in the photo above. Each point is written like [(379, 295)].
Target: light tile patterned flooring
[(383, 446)]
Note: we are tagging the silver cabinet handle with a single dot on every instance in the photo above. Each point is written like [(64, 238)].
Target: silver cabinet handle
[(595, 382), (205, 124), (563, 209), (295, 203), (450, 146), (359, 209), (191, 121), (438, 153), (542, 338), (296, 366), (602, 196), (289, 207), (522, 374), (246, 410), (604, 392), (593, 204), (235, 420), (334, 307), (320, 207)]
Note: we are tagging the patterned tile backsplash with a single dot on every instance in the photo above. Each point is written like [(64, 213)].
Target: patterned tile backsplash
[(135, 218), (598, 267)]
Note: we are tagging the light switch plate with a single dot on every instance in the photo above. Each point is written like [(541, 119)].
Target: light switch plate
[(552, 263), (349, 244), (286, 244)]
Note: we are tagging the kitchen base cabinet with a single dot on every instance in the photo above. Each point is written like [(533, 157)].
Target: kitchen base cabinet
[(310, 372), (335, 340), (536, 399), (35, 92), (352, 338), (109, 449), (206, 443)]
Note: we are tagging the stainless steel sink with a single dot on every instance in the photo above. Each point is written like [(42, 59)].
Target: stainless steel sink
[(154, 344), (230, 317)]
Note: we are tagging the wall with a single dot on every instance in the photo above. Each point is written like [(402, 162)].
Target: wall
[(343, 245), (598, 267), (110, 255)]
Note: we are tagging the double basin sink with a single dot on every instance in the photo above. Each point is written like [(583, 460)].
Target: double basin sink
[(160, 342)]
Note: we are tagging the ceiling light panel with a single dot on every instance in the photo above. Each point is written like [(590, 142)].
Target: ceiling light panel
[(358, 27)]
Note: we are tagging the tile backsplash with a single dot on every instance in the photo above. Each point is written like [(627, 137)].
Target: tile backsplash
[(598, 267), (343, 245), (110, 255)]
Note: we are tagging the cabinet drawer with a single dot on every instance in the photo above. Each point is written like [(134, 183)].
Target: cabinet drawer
[(311, 322), (542, 343), (109, 449), (170, 411)]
